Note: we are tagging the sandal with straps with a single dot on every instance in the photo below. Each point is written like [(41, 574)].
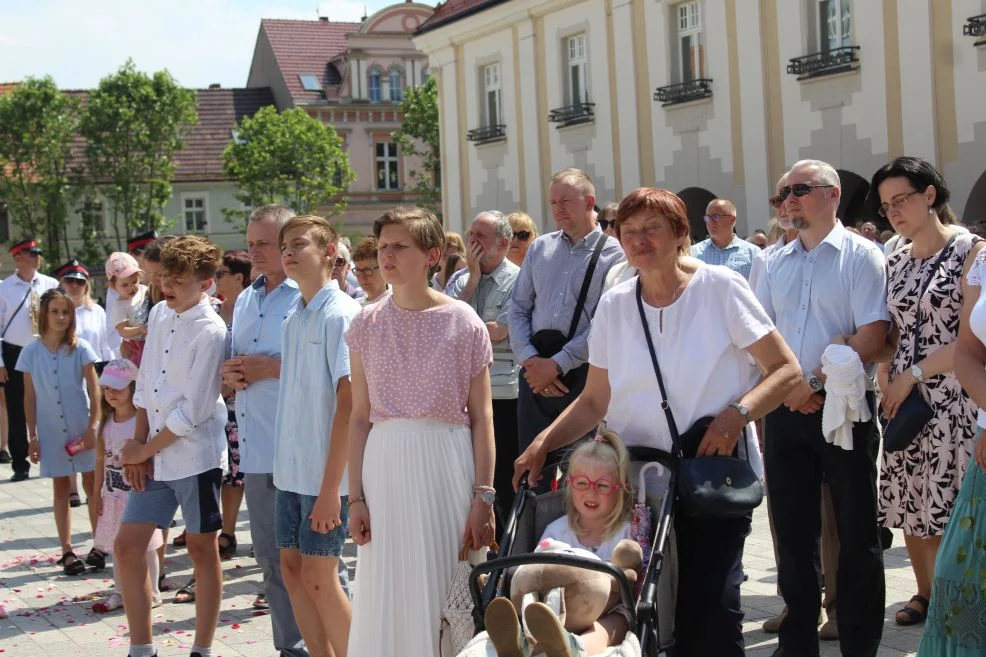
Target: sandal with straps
[(187, 592), (227, 546), (912, 615), (71, 564)]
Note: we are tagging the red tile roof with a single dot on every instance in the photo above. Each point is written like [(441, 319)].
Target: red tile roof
[(219, 112), (453, 10), (306, 47)]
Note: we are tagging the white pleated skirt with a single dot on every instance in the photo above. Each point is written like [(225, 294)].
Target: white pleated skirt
[(417, 480)]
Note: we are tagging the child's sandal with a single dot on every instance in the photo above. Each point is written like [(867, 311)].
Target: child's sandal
[(96, 559), (71, 564)]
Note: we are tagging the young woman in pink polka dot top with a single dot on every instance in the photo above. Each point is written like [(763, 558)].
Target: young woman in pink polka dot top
[(421, 443)]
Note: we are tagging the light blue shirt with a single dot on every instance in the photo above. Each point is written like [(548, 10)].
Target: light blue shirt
[(738, 254), (314, 357), (257, 319), (814, 296), (547, 291)]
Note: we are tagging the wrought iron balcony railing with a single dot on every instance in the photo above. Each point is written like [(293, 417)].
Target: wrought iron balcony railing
[(975, 26), (833, 61), (683, 92), (572, 114), (487, 134)]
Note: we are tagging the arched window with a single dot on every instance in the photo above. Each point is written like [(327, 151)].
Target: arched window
[(396, 85), (373, 83)]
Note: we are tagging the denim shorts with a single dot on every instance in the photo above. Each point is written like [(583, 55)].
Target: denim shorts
[(293, 527), (197, 496)]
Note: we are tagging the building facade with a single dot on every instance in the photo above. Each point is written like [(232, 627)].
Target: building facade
[(352, 76), (708, 98)]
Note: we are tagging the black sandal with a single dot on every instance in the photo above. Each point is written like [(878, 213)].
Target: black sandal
[(96, 559), (180, 541), (188, 591), (227, 551), (913, 615), (74, 500), (71, 564)]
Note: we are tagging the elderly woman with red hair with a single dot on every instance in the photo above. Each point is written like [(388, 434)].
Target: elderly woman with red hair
[(705, 324)]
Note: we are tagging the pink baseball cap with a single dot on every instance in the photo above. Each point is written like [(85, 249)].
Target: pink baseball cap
[(121, 265), (118, 374)]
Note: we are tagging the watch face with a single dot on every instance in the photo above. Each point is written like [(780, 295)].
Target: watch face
[(815, 383)]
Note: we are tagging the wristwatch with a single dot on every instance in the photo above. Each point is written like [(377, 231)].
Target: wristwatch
[(487, 496), (815, 383), (918, 373), (742, 409)]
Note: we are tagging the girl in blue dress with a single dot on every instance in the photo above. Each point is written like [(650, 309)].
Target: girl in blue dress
[(58, 369)]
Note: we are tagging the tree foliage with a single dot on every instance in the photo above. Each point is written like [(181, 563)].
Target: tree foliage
[(134, 125), (290, 158), (37, 122), (418, 137)]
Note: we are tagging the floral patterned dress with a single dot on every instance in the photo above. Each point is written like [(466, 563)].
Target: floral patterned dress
[(234, 477), (919, 484)]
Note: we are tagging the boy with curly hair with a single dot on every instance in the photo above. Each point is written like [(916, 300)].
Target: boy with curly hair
[(180, 432)]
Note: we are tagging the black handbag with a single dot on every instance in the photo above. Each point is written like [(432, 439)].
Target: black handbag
[(708, 486), (913, 413), (549, 342)]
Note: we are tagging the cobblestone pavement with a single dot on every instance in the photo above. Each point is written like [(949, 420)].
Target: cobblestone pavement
[(48, 613)]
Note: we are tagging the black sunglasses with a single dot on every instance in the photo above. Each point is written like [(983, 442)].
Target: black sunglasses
[(607, 223), (522, 235), (799, 190)]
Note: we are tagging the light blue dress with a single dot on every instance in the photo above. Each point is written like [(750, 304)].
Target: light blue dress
[(62, 404)]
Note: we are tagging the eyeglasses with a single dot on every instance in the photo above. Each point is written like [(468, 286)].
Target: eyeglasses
[(776, 201), (582, 483), (364, 271), (716, 218), (799, 190), (605, 224), (340, 262), (895, 204), (222, 272), (522, 235)]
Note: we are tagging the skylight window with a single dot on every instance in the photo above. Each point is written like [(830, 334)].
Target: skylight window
[(310, 82)]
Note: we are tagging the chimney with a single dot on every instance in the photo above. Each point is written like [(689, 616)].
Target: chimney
[(215, 85), (324, 19)]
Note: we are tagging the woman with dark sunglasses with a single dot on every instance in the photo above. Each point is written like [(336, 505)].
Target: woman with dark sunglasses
[(524, 233)]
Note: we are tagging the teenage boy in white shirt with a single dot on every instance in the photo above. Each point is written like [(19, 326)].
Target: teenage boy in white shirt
[(180, 431), (311, 448)]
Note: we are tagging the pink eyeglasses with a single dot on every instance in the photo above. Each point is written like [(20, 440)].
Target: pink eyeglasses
[(582, 483)]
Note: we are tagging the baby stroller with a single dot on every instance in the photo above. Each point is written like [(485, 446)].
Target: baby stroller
[(651, 632)]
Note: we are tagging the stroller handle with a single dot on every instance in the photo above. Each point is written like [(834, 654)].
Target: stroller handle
[(502, 563)]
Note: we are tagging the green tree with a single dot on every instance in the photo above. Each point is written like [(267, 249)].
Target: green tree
[(134, 125), (37, 122), (418, 137), (290, 158)]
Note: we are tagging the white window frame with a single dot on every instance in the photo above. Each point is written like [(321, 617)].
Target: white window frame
[(577, 68), (398, 73), (305, 78), (388, 160), (425, 74), (492, 95), (194, 196), (688, 24), (839, 16), (374, 71), (86, 209)]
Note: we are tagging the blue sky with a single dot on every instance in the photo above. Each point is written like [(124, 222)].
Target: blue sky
[(78, 42)]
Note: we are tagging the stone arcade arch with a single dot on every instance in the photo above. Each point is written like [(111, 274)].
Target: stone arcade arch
[(696, 200)]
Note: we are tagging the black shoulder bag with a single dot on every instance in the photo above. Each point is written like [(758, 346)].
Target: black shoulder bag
[(708, 486), (913, 413), (549, 342)]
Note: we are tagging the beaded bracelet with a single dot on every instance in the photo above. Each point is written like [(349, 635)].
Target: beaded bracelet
[(355, 500)]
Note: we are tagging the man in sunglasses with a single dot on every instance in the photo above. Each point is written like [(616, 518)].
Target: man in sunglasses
[(828, 286), (724, 246)]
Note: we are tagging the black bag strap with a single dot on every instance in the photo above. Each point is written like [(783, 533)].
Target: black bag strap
[(586, 283), (30, 288), (924, 288), (672, 425)]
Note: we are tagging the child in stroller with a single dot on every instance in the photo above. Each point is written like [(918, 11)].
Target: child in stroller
[(597, 503)]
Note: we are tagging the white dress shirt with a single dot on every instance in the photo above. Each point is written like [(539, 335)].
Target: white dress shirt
[(17, 329), (815, 296), (90, 325), (179, 385), (113, 338)]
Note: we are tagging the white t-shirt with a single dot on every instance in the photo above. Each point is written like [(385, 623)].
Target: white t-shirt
[(700, 352), (560, 530), (133, 311)]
